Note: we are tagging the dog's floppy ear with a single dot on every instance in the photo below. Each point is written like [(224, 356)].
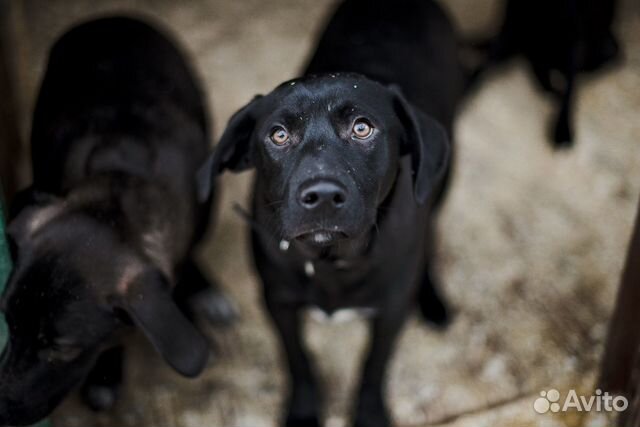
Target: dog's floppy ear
[(149, 303), (233, 151), (427, 143)]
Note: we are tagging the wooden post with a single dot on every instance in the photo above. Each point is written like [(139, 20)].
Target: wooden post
[(621, 361), (631, 417), (10, 142)]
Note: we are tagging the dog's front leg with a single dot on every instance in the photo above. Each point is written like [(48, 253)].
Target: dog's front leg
[(370, 409), (102, 386), (303, 401), (199, 297), (563, 129)]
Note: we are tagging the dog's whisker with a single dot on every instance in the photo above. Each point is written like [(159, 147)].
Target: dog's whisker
[(275, 203)]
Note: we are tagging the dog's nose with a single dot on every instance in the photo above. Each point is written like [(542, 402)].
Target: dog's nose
[(323, 193)]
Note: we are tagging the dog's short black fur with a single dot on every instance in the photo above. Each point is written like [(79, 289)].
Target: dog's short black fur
[(109, 225), (349, 171), (565, 37)]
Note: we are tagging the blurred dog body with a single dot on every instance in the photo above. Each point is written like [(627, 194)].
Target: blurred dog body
[(560, 39), (108, 228)]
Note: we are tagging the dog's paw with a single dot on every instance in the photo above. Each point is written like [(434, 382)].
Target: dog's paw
[(302, 409), (214, 307), (371, 411), (302, 421), (433, 306), (372, 421), (99, 397), (436, 313), (562, 135)]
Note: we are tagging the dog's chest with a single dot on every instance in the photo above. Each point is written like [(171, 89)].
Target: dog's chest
[(337, 294)]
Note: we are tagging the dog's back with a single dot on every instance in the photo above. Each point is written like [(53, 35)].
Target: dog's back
[(380, 39), (114, 94), (552, 33)]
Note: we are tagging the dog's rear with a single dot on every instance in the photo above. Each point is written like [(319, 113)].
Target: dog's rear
[(408, 43), (117, 96)]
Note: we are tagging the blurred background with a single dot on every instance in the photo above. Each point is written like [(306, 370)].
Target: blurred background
[(531, 248)]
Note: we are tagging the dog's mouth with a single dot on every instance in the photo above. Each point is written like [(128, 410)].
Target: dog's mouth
[(321, 237)]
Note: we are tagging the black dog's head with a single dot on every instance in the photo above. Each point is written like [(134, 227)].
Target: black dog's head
[(327, 151), (77, 279)]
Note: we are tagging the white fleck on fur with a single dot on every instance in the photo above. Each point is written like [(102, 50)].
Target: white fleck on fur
[(130, 272), (309, 269), (43, 216), (340, 316), (155, 247)]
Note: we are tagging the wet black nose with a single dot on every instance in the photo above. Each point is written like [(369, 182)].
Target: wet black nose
[(323, 193)]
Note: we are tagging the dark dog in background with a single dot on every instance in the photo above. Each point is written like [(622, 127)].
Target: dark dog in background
[(349, 171), (560, 39), (108, 228)]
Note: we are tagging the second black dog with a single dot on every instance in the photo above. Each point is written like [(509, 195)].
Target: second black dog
[(348, 174), (104, 239)]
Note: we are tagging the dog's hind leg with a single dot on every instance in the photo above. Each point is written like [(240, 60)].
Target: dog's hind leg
[(199, 297), (102, 385), (543, 76), (563, 128), (432, 305)]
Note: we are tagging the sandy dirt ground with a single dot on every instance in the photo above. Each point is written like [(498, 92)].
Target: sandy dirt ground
[(531, 244)]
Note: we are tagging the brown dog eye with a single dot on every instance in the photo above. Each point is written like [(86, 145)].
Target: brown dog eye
[(362, 129), (279, 136)]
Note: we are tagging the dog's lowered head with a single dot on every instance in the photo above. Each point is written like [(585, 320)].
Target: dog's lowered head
[(80, 275)]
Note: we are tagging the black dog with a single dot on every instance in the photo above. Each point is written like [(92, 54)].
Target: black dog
[(565, 37), (348, 174), (109, 226)]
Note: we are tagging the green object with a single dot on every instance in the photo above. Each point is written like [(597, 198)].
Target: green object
[(5, 269)]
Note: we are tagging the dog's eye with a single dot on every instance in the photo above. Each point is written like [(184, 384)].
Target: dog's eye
[(362, 129), (279, 136)]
